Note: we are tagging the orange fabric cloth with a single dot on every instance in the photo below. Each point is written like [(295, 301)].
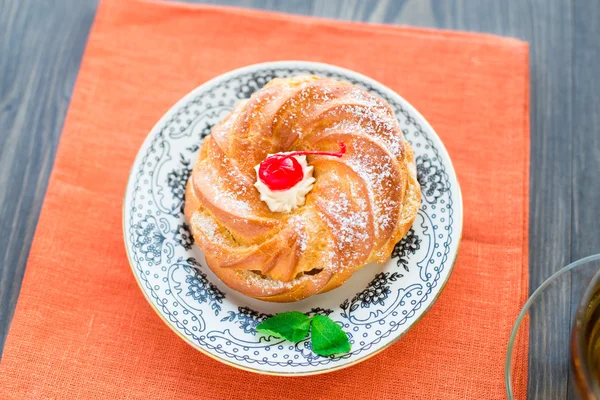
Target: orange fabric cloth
[(82, 328)]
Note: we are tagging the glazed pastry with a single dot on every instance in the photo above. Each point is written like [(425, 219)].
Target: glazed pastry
[(299, 187)]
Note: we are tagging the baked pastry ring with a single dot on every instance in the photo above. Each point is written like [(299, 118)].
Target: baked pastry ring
[(360, 206)]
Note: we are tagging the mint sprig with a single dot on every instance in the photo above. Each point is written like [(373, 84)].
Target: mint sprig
[(327, 337), (292, 326)]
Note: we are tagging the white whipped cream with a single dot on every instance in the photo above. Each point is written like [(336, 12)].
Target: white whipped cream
[(290, 199)]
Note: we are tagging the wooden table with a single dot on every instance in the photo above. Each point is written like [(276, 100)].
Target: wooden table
[(42, 42)]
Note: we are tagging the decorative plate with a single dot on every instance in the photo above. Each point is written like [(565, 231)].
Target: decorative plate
[(375, 307)]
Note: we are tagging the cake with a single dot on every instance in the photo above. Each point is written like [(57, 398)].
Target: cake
[(300, 186)]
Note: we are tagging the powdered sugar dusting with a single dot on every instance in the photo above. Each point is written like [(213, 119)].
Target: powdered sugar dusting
[(331, 256), (265, 282), (302, 104), (229, 199), (348, 225), (379, 176), (208, 226), (300, 229), (231, 189), (372, 121)]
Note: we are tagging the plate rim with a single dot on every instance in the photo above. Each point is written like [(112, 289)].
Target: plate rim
[(307, 65)]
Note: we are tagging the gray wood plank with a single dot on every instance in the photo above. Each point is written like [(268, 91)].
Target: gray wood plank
[(290, 6), (586, 143), (41, 44)]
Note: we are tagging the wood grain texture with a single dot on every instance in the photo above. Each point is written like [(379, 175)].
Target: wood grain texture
[(586, 133), (41, 43), (586, 145)]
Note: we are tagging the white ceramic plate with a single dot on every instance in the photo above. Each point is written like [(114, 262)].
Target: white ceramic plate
[(375, 307)]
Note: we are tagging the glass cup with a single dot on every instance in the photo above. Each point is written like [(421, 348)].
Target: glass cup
[(585, 335)]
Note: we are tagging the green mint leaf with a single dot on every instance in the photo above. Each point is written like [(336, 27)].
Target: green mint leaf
[(327, 337), (292, 326)]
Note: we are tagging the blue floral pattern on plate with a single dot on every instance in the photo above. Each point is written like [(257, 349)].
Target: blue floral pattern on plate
[(375, 307)]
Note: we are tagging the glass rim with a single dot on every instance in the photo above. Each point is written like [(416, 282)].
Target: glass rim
[(581, 369), (525, 310)]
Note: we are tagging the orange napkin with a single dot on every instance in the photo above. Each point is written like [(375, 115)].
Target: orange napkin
[(82, 329)]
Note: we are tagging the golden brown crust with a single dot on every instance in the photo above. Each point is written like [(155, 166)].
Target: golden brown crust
[(361, 205)]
